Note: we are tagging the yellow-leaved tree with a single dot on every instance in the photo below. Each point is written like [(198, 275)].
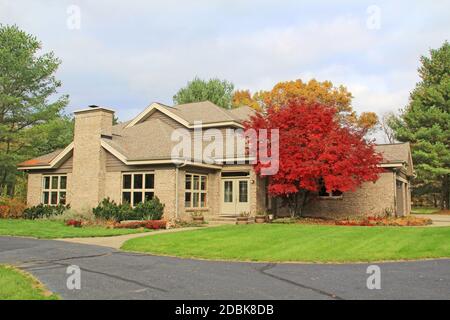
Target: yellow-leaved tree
[(312, 91)]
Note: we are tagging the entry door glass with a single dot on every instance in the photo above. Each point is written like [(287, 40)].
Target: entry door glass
[(228, 191), (243, 191)]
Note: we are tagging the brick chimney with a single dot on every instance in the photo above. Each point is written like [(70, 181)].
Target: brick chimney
[(89, 158)]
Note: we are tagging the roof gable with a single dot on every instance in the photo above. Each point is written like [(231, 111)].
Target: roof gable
[(190, 114)]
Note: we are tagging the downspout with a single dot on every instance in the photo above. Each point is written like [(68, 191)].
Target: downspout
[(177, 167)]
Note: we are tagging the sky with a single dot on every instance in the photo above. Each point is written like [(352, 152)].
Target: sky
[(127, 54)]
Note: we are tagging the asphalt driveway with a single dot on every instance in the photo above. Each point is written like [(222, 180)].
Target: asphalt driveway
[(111, 274)]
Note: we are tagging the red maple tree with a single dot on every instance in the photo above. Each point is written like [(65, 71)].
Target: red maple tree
[(315, 151)]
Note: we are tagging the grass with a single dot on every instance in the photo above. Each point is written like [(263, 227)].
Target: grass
[(19, 285), (295, 242), (55, 229), (425, 210)]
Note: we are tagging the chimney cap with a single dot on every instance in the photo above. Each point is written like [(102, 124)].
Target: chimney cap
[(94, 108)]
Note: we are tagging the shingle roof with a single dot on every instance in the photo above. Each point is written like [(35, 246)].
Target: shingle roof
[(396, 152), (204, 111), (148, 140), (41, 160)]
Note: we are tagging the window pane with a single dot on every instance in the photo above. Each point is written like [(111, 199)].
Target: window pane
[(323, 191), (228, 191), (126, 181), (137, 198), (62, 198), (54, 198), (195, 200), (149, 181), (148, 196), (46, 182), (187, 199), (45, 198), (63, 182), (55, 182), (203, 200), (243, 191), (196, 183), (126, 197), (137, 181), (188, 182), (203, 182)]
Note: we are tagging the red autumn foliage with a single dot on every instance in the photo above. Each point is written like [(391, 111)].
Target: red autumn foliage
[(74, 223), (148, 224), (315, 148)]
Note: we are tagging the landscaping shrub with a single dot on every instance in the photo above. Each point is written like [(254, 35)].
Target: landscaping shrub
[(70, 214), (148, 224), (156, 224), (44, 211), (150, 210), (74, 223), (109, 210), (130, 225), (11, 208)]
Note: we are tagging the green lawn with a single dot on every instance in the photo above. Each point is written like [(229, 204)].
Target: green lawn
[(55, 229), (424, 210), (18, 285), (295, 242)]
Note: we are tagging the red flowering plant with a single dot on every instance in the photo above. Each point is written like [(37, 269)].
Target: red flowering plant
[(316, 150)]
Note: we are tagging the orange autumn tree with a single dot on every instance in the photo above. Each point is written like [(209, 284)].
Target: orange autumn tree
[(312, 91)]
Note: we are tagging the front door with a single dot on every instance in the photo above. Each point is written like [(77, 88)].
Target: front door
[(235, 196)]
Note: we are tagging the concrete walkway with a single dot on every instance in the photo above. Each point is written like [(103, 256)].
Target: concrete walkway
[(117, 241), (439, 220)]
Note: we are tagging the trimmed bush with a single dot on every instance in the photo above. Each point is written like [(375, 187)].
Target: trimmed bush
[(149, 210), (109, 210), (44, 211)]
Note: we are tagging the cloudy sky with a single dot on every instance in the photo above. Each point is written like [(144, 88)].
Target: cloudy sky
[(126, 54)]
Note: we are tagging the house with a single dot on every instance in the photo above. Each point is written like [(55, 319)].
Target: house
[(135, 160)]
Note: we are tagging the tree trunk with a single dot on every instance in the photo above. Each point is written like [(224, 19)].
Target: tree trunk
[(445, 193)]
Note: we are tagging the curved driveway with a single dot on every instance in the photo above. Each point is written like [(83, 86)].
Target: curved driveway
[(111, 274)]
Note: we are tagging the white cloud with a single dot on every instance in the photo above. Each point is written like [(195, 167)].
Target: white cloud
[(128, 54)]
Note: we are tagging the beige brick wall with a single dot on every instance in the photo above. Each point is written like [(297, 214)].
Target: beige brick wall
[(34, 189), (113, 186), (369, 199), (165, 190)]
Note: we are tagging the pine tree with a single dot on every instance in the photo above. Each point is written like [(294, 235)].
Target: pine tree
[(425, 123)]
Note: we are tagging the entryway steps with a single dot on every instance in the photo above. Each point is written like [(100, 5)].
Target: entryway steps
[(225, 219)]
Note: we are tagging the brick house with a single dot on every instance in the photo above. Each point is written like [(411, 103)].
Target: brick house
[(133, 161)]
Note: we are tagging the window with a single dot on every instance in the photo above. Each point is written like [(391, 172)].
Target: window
[(243, 191), (54, 190), (195, 191), (333, 194), (137, 187)]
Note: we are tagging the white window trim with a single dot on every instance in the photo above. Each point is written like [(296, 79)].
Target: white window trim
[(199, 191), (51, 189), (331, 197), (132, 189)]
